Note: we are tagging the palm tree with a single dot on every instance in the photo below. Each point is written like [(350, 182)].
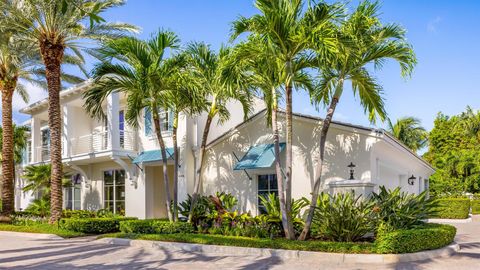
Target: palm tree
[(365, 41), (287, 31), (38, 179), (470, 122), (138, 69), (213, 76), (410, 132), (181, 98), (259, 61), (57, 27)]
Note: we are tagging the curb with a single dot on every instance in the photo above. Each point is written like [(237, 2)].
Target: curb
[(287, 254), (449, 221), (31, 235)]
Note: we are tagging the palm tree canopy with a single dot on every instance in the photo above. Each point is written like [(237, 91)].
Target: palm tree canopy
[(410, 132), (364, 44), (61, 23), (470, 121), (136, 68), (213, 75)]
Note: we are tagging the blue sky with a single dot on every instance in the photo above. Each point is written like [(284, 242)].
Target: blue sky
[(443, 33)]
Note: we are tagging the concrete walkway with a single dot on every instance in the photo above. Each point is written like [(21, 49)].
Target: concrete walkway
[(29, 253)]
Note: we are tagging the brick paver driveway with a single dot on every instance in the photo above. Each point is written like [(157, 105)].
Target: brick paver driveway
[(27, 253)]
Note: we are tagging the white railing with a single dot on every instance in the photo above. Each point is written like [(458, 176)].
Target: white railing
[(42, 153)]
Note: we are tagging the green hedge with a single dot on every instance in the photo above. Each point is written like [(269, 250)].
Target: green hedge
[(92, 225), (155, 226), (452, 208), (475, 206), (424, 237)]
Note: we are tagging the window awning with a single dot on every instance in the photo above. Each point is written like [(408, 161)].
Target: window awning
[(258, 157), (152, 156)]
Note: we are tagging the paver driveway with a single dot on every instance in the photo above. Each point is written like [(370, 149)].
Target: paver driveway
[(27, 253)]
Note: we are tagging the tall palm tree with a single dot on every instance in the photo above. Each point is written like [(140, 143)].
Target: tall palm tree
[(57, 27), (140, 70), (181, 98), (410, 132), (287, 31), (365, 41), (470, 122), (213, 76), (265, 72)]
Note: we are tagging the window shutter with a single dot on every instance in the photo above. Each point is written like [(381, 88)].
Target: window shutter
[(148, 122)]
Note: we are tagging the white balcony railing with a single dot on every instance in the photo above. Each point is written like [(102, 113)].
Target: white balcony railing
[(87, 144)]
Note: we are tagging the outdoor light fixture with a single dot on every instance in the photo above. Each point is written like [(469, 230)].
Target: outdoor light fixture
[(352, 170), (411, 180)]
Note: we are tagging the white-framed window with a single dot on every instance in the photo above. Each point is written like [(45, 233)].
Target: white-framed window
[(45, 137), (72, 194), (114, 191), (121, 127), (266, 183), (166, 121)]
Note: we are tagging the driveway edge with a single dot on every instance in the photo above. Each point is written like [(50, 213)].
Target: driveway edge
[(287, 254), (31, 235)]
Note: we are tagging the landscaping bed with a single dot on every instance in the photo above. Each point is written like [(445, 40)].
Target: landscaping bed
[(451, 208), (41, 228)]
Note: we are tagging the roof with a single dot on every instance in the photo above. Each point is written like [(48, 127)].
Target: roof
[(152, 156), (64, 93), (316, 118), (258, 157)]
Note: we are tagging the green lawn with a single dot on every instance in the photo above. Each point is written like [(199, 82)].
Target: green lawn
[(252, 242), (40, 228)]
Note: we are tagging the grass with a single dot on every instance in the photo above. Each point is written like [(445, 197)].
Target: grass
[(336, 247), (40, 228)]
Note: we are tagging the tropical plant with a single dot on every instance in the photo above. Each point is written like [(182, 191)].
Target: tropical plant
[(181, 98), (343, 217), (286, 31), (199, 213), (364, 41), (401, 210), (139, 70), (409, 131), (221, 82), (38, 181), (39, 207), (56, 28)]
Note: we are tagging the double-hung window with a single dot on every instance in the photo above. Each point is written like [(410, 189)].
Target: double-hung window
[(72, 194), (114, 191), (267, 183), (166, 121)]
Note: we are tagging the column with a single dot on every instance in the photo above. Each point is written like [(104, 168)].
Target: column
[(113, 104)]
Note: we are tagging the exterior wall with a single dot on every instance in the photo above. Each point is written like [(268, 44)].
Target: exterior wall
[(343, 146)]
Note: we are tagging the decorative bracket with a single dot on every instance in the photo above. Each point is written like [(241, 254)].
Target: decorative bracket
[(245, 171)]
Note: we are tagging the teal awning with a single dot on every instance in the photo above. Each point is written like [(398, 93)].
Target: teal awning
[(152, 156), (258, 157)]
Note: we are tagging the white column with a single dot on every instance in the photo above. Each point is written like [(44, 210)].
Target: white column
[(113, 107), (66, 134), (36, 140)]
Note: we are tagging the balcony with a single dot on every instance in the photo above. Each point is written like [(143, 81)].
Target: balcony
[(89, 144)]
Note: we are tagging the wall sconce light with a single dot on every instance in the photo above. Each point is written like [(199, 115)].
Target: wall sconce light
[(411, 180), (351, 166)]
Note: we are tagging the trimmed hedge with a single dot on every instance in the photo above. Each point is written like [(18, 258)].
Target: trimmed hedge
[(475, 206), (93, 225), (452, 208), (424, 237), (155, 226)]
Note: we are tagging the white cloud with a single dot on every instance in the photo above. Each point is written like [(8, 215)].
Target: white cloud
[(35, 93), (433, 24)]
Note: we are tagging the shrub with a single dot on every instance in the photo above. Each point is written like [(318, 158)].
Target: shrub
[(155, 226), (400, 210), (78, 214), (452, 208), (475, 203), (343, 217), (39, 207), (423, 237), (92, 225)]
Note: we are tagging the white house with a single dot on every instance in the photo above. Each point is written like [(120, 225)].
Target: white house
[(118, 167)]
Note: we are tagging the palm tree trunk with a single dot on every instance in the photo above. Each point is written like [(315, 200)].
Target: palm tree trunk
[(158, 132), (8, 197), (288, 161), (286, 218), (196, 189), (175, 170), (52, 55), (318, 170)]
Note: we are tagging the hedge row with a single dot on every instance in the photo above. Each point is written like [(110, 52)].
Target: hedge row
[(475, 206), (93, 225), (153, 226), (425, 237), (452, 208)]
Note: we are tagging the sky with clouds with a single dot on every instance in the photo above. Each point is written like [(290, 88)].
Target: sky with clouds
[(444, 35)]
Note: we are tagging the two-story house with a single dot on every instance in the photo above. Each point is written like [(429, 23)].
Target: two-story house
[(118, 167)]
